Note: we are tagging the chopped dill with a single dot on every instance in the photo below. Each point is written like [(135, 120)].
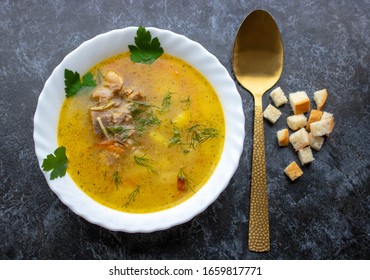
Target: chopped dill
[(175, 140), (117, 129), (199, 134), (149, 120), (183, 182), (116, 179), (191, 137), (145, 162), (132, 196), (186, 103), (166, 103)]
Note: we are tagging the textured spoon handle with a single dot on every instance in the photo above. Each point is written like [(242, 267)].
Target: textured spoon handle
[(259, 231)]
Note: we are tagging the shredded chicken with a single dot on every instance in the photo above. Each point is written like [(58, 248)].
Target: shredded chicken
[(111, 115), (113, 81), (101, 94)]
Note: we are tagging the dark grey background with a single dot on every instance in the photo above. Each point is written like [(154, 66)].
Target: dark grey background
[(323, 215)]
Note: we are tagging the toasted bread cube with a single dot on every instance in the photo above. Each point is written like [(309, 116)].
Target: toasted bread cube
[(293, 171), (305, 155), (300, 102), (320, 98), (296, 122), (315, 116), (271, 113), (283, 137), (299, 139), (316, 142), (278, 97), (323, 127), (326, 115)]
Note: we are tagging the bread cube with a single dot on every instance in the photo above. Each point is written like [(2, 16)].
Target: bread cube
[(296, 122), (271, 113), (299, 139), (278, 97), (315, 116), (283, 137), (293, 171), (323, 127), (300, 102), (316, 142), (320, 98), (326, 115), (305, 155)]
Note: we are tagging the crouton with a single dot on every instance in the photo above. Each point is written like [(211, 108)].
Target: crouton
[(326, 115), (278, 97), (283, 137), (296, 122), (305, 155), (315, 116), (316, 142), (323, 127), (299, 139), (293, 171), (271, 113), (300, 102), (320, 98)]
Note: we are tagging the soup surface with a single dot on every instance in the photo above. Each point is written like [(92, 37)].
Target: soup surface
[(146, 138)]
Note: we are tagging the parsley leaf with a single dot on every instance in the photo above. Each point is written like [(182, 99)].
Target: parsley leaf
[(147, 50), (56, 163), (73, 82)]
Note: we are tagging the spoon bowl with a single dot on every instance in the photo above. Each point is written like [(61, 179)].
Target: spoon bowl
[(258, 58)]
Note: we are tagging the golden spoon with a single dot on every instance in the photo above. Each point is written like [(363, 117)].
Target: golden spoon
[(258, 57)]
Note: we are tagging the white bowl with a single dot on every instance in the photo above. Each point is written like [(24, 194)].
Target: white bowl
[(112, 43)]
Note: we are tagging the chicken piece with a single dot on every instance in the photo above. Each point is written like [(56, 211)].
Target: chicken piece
[(113, 81), (105, 117), (136, 96), (122, 114), (101, 94)]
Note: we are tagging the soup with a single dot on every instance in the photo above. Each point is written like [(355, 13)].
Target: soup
[(146, 138)]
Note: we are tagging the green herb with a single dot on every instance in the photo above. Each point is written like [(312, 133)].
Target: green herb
[(191, 137), (56, 163), (119, 132), (73, 83), (139, 107), (117, 129), (99, 77), (186, 102), (149, 120), (175, 140), (116, 179), (146, 162), (199, 134), (183, 183), (147, 50), (132, 196), (166, 103)]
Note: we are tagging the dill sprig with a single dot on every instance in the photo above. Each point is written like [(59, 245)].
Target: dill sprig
[(148, 120), (191, 137), (186, 103), (133, 195), (166, 103), (116, 179), (199, 134), (183, 181), (145, 162)]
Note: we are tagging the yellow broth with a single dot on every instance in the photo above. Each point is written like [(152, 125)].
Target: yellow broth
[(121, 183)]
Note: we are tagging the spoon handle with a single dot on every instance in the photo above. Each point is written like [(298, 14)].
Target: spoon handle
[(259, 231)]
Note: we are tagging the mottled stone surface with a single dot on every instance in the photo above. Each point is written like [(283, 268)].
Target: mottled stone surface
[(323, 215)]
